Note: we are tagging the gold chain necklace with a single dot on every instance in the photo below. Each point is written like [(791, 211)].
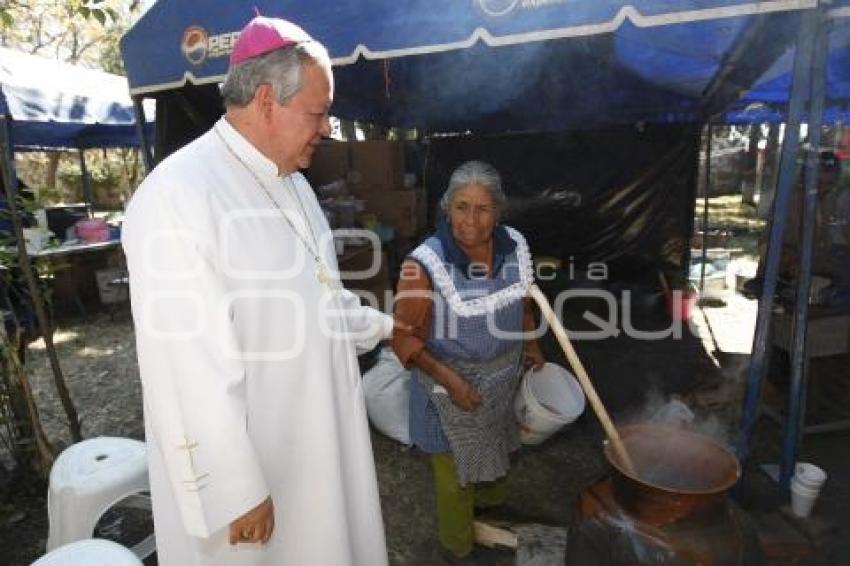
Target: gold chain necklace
[(322, 272)]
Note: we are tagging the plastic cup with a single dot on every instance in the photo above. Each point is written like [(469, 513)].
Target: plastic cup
[(809, 475), (802, 499)]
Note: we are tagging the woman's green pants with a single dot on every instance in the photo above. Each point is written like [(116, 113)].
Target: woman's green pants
[(456, 504)]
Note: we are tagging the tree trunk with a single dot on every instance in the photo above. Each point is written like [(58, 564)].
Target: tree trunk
[(349, 130), (748, 192), (38, 303), (27, 424), (52, 173)]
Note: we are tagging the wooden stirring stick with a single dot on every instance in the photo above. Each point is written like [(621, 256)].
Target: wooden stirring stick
[(584, 379)]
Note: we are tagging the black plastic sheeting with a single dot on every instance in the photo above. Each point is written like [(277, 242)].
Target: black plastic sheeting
[(623, 196), (184, 114)]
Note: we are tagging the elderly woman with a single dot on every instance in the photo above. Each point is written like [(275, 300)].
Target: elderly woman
[(462, 295)]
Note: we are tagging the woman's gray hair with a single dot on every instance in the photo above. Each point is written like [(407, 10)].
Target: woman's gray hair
[(280, 68), (475, 173)]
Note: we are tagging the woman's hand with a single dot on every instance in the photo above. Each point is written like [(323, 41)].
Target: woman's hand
[(464, 395), (533, 356), (460, 391)]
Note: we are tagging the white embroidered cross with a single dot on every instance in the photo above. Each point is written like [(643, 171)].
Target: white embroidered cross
[(189, 446)]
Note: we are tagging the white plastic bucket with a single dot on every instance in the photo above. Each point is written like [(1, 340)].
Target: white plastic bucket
[(547, 400)]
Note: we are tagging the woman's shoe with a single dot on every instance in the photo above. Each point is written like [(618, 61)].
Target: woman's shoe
[(452, 559)]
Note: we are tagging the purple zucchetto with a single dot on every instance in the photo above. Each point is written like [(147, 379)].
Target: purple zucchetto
[(263, 35)]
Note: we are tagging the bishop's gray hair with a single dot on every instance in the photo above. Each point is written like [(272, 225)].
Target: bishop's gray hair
[(280, 68), (475, 173)]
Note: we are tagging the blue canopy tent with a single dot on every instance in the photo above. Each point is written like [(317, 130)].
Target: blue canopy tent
[(46, 104), (767, 100), (529, 65), (492, 65)]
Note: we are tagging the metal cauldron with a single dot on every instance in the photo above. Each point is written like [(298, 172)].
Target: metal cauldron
[(679, 473)]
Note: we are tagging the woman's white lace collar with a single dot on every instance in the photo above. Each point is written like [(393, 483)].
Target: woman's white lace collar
[(478, 306)]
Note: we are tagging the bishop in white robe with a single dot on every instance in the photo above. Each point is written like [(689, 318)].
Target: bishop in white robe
[(247, 356)]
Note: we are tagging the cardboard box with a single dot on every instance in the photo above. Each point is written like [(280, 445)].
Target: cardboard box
[(403, 209), (355, 259), (378, 163), (112, 285), (374, 289), (422, 211), (330, 162)]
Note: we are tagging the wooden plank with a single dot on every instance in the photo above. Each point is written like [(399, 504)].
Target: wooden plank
[(490, 535), (815, 527), (780, 541)]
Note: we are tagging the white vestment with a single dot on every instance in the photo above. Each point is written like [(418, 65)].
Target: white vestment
[(248, 364)]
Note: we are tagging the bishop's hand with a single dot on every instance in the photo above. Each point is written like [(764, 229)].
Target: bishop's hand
[(255, 526)]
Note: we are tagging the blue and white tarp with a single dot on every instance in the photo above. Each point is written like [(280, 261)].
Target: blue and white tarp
[(57, 105)]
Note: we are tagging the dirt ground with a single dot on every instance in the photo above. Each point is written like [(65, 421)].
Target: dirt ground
[(706, 367), (99, 362)]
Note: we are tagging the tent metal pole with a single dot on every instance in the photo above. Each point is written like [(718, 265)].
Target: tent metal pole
[(800, 85), (796, 405), (707, 188), (139, 110), (88, 196)]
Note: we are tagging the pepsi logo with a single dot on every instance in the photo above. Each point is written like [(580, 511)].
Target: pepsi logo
[(498, 7), (195, 44)]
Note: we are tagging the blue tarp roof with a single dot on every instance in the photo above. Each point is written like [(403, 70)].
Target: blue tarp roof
[(766, 100), (57, 105), (493, 64)]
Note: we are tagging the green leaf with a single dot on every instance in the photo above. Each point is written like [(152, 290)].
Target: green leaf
[(99, 16)]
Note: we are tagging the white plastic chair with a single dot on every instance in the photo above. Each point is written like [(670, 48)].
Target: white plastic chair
[(89, 552), (90, 477)]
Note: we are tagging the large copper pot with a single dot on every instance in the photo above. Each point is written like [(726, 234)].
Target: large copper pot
[(679, 473)]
